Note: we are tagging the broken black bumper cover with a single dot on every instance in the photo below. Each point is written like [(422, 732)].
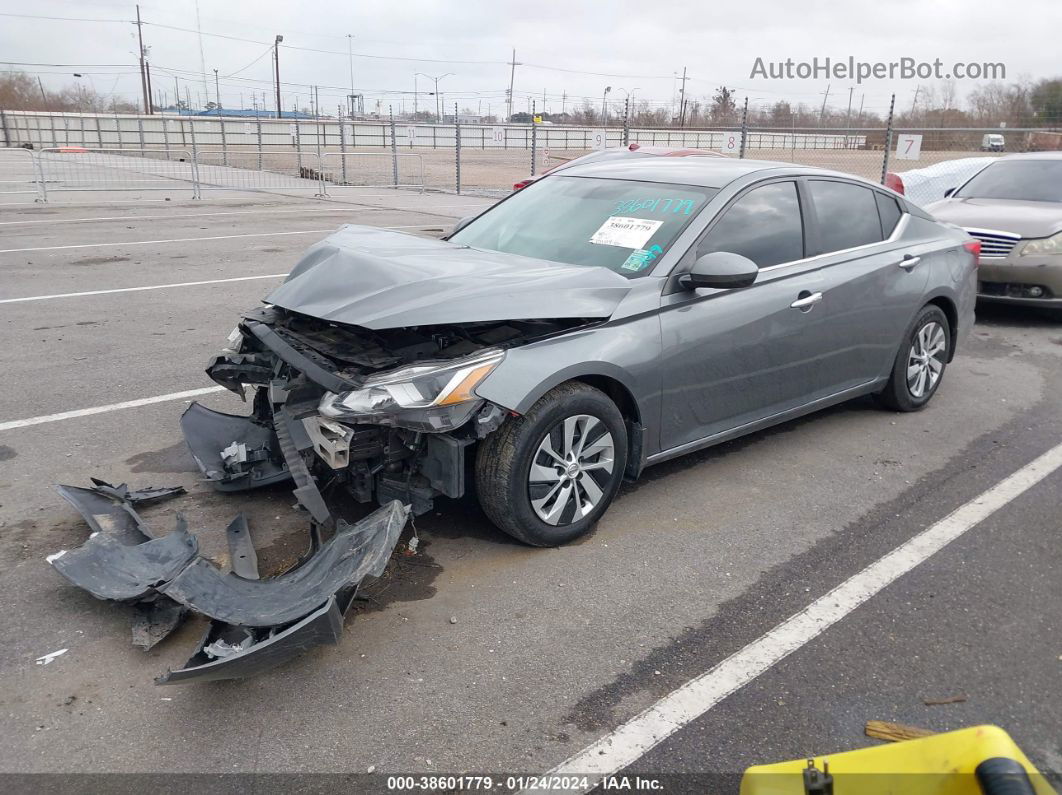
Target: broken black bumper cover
[(255, 624), (233, 452)]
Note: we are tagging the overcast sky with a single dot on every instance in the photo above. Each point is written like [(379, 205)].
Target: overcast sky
[(631, 46)]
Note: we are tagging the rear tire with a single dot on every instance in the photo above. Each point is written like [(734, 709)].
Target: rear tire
[(920, 362), (546, 477)]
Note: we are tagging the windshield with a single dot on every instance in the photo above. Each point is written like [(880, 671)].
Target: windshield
[(617, 224), (1031, 180)]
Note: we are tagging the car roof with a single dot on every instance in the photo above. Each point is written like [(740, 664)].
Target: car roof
[(1033, 156), (706, 172)]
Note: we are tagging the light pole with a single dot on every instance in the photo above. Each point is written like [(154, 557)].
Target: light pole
[(604, 107), (276, 62), (438, 106), (217, 92), (350, 56)]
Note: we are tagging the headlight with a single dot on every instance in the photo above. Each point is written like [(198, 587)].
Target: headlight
[(1045, 245), (429, 397)]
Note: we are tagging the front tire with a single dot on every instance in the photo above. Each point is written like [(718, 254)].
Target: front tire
[(546, 477), (920, 362)]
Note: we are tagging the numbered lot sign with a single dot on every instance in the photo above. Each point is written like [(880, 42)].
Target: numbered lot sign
[(908, 147)]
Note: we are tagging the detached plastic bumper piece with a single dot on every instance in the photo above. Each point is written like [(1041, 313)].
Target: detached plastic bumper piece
[(256, 623), (234, 453)]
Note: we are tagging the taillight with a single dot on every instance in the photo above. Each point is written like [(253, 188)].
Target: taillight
[(974, 247), (893, 182), (521, 184)]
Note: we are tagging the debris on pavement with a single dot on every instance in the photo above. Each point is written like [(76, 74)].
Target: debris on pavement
[(894, 732), (47, 658), (935, 702), (255, 623)]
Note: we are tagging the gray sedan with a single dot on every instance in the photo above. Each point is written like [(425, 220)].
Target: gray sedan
[(601, 320)]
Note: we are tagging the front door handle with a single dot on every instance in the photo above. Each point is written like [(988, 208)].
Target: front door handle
[(908, 262), (806, 301)]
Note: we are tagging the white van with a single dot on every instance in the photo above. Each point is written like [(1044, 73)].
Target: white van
[(992, 142)]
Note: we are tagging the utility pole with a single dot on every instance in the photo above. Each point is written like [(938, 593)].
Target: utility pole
[(44, 97), (826, 96), (414, 96), (350, 57), (176, 95), (564, 101), (682, 99), (143, 74), (202, 58), (512, 78), (147, 71), (276, 63), (604, 107), (217, 92), (848, 121)]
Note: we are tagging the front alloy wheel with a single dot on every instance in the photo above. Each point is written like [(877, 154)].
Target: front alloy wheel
[(571, 470), (547, 476)]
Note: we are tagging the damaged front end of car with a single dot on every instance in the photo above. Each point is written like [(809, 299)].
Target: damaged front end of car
[(380, 414)]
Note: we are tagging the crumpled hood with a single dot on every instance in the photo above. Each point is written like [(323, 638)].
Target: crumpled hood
[(379, 279), (1025, 218)]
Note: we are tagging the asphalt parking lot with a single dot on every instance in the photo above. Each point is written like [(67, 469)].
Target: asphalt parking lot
[(479, 654)]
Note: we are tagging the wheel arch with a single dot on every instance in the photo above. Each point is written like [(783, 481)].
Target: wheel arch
[(951, 312)]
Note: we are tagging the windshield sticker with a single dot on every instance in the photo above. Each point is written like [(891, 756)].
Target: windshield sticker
[(660, 205), (625, 232), (642, 258)]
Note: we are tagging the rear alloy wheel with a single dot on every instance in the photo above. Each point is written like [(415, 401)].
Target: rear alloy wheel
[(547, 476), (920, 363)]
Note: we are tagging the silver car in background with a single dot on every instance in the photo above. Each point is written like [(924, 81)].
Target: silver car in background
[(1014, 208), (601, 320)]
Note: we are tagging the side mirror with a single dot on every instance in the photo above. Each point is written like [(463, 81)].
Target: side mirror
[(949, 191), (722, 270), (462, 224)]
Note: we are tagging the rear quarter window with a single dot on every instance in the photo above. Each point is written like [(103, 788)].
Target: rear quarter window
[(847, 215), (889, 212)]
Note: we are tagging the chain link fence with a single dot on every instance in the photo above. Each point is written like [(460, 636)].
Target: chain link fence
[(320, 156)]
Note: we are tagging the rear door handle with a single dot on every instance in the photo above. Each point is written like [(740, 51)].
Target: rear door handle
[(908, 262), (806, 302)]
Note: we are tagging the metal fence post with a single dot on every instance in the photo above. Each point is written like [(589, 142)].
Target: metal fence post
[(224, 141), (342, 142), (888, 140), (744, 127), (258, 125), (627, 121), (394, 145), (42, 188), (298, 137), (457, 146), (534, 139), (196, 193)]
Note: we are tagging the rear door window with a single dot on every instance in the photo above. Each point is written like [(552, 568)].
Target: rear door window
[(764, 225), (847, 215)]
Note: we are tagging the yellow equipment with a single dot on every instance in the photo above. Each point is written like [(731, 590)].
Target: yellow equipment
[(981, 760)]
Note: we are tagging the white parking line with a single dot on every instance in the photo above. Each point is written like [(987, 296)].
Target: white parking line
[(159, 242), (623, 746), (194, 239), (138, 289), (128, 404), (315, 210)]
